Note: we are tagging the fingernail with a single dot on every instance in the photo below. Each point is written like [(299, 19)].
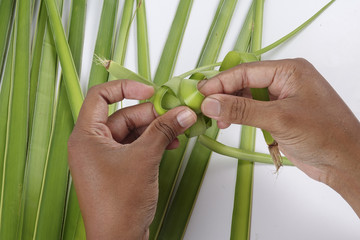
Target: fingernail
[(211, 107), (186, 118)]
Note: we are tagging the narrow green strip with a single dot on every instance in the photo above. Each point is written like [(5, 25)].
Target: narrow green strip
[(294, 32), (67, 64), (51, 209), (104, 41), (172, 46), (57, 176), (7, 8), (243, 41), (216, 37), (40, 136), (240, 226), (169, 171), (18, 130), (74, 225), (208, 36), (36, 59), (142, 41), (180, 210), (77, 31), (123, 34), (258, 25), (171, 160), (178, 214), (121, 41), (241, 218), (5, 96)]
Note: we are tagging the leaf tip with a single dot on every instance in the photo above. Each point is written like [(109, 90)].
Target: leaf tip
[(101, 61)]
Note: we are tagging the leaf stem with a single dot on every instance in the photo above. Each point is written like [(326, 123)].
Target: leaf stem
[(238, 153)]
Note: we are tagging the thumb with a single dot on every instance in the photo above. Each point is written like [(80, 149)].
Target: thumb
[(239, 110), (164, 129)]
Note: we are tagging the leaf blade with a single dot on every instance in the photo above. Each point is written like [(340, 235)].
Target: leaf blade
[(18, 129)]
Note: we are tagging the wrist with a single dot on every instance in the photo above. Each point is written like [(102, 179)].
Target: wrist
[(122, 229), (115, 224), (344, 177)]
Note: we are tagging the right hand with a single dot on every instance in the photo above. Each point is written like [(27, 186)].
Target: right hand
[(312, 125)]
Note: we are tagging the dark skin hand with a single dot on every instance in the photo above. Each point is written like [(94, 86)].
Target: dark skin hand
[(114, 160), (312, 125)]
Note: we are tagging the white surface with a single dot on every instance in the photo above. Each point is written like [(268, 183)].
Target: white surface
[(285, 206)]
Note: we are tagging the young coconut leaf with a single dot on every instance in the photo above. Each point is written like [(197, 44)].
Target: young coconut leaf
[(36, 60), (171, 161), (7, 8), (15, 156), (74, 226), (104, 41), (5, 96), (172, 46), (123, 35), (142, 41), (67, 63), (294, 32), (206, 46), (179, 212), (243, 41), (70, 75), (241, 217), (40, 136), (51, 207), (122, 40)]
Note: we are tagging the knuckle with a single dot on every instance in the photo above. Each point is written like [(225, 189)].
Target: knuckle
[(107, 94), (98, 129), (129, 122), (301, 61), (300, 64), (104, 91), (94, 90), (165, 129)]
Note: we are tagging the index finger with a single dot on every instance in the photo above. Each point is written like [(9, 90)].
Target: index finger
[(271, 74), (95, 106)]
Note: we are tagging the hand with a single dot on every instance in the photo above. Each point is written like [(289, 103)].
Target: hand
[(312, 125), (114, 161)]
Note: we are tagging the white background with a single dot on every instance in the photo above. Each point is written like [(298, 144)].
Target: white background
[(289, 205)]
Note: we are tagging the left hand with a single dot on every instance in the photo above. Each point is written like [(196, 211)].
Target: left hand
[(114, 160)]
